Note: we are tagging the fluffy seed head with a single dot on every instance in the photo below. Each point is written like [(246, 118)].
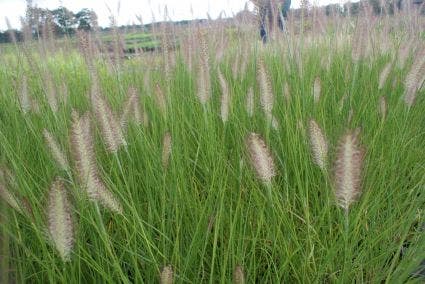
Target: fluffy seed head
[(342, 102), (359, 42), (128, 108), (166, 150), (61, 226), (111, 130), (203, 78), (350, 116), (383, 107), (132, 109), (165, 47), (319, 144), (404, 52), (50, 92), (245, 55), (384, 75), (24, 98), (5, 182), (286, 92), (160, 99), (348, 169), (55, 150), (273, 121), (167, 275), (266, 94), (85, 163), (82, 150), (147, 82), (104, 196), (250, 102), (137, 112), (64, 93), (225, 97), (415, 79), (235, 66), (317, 89), (238, 275), (260, 158)]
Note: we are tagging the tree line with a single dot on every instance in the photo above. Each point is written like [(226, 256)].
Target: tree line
[(42, 22)]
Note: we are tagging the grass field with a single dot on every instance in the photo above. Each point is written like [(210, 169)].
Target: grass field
[(134, 40), (148, 170)]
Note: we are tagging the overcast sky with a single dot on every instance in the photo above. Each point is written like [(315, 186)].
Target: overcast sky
[(177, 9)]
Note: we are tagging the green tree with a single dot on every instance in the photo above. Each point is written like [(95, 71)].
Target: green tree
[(36, 18), (64, 20), (86, 19)]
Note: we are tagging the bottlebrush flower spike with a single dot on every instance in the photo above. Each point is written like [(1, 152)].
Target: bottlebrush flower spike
[(82, 150), (266, 95), (384, 75), (260, 158), (238, 275), (138, 115), (160, 99), (85, 162), (383, 107), (55, 150), (250, 102), (415, 79), (348, 169), (359, 41), (286, 92), (317, 89), (273, 120), (61, 226), (147, 82), (235, 66), (167, 275), (319, 144), (128, 107), (5, 194), (166, 150), (404, 52), (132, 110), (225, 97), (50, 92), (111, 130), (24, 98), (204, 79)]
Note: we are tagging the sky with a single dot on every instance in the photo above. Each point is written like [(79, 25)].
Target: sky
[(128, 9)]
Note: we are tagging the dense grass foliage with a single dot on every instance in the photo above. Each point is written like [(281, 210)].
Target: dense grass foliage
[(207, 212)]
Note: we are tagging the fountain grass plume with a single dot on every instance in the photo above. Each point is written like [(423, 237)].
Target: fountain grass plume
[(317, 89), (85, 163), (166, 150), (55, 150), (167, 275), (384, 75), (238, 275), (415, 79), (60, 223), (348, 169), (250, 104), (225, 97), (319, 144), (5, 193), (110, 128), (261, 158)]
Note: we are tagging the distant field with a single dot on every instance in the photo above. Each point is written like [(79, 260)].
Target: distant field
[(135, 40)]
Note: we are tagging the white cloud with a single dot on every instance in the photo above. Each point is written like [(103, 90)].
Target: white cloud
[(178, 9)]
